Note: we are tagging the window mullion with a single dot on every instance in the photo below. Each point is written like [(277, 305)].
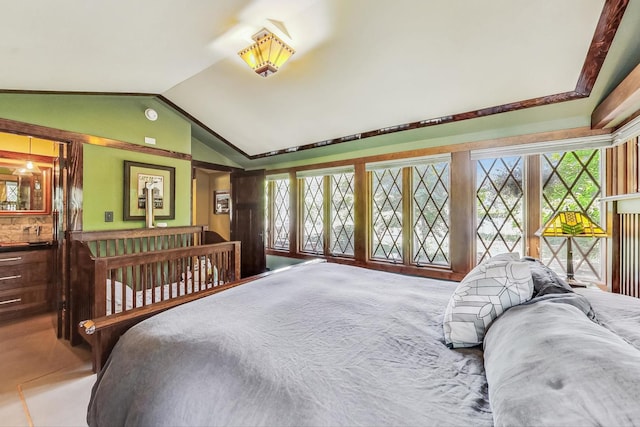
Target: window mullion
[(300, 211), (326, 223), (533, 203), (294, 203), (407, 217), (270, 211)]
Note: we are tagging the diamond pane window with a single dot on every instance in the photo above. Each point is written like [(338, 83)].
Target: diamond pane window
[(499, 207), (572, 181), (280, 223), (386, 214), (431, 214), (313, 215), (342, 222), (12, 191)]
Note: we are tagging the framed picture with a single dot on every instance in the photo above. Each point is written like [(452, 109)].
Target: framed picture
[(158, 179), (221, 202)]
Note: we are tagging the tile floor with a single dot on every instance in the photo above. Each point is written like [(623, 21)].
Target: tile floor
[(43, 380)]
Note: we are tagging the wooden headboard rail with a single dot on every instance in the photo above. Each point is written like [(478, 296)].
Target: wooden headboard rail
[(146, 271), (86, 245), (145, 283), (120, 242), (103, 332)]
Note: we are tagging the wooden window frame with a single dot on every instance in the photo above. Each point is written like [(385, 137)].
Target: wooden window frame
[(462, 201)]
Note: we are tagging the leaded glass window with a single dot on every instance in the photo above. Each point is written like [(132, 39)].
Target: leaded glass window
[(313, 215), (571, 181), (386, 214), (342, 222), (12, 191), (431, 214), (279, 230), (499, 207)]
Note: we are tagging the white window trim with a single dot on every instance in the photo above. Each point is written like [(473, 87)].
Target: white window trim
[(572, 144), (409, 162), (277, 177), (325, 171)]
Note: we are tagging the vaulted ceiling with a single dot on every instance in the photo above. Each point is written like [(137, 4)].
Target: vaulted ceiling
[(362, 68)]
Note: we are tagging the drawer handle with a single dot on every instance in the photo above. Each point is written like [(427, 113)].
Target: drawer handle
[(9, 301), (11, 277), (18, 258)]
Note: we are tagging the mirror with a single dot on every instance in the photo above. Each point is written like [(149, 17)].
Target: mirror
[(23, 191)]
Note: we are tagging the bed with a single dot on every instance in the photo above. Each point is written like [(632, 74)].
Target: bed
[(331, 344), (122, 277)]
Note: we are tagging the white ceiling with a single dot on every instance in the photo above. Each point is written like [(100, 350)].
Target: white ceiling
[(359, 65)]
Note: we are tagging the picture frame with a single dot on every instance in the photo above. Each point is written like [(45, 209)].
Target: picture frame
[(221, 202), (160, 178)]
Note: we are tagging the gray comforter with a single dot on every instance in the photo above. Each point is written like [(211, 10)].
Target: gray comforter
[(335, 345), (324, 344), (548, 364)]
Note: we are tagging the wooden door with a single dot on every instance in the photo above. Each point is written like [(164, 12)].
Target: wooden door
[(247, 219)]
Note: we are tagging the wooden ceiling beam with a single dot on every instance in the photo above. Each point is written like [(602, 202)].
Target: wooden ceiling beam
[(623, 97)]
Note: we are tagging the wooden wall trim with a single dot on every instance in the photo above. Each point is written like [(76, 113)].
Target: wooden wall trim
[(74, 187), (623, 97), (214, 166), (207, 129), (608, 24), (59, 135), (557, 135)]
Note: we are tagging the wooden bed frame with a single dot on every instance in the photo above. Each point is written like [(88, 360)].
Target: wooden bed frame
[(151, 270)]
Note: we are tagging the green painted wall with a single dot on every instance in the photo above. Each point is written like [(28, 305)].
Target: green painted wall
[(119, 118), (202, 152), (104, 187), (115, 117)]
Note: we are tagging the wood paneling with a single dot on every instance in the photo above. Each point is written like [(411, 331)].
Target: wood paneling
[(622, 178), (622, 168)]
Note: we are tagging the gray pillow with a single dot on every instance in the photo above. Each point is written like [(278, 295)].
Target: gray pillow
[(485, 293), (545, 280)]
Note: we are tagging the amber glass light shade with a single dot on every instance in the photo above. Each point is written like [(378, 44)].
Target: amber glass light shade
[(267, 54)]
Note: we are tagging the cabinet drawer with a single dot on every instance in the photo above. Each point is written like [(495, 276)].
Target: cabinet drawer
[(21, 301), (24, 275), (23, 257)]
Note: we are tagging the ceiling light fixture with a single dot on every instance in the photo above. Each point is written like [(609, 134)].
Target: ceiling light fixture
[(267, 54)]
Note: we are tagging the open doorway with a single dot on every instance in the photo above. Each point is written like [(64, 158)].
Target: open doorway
[(211, 190), (32, 219)]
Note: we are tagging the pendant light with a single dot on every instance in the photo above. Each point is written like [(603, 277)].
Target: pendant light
[(32, 167)]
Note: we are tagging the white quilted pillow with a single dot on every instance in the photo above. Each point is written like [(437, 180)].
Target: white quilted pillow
[(484, 294)]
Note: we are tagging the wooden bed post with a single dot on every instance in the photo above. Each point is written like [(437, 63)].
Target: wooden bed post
[(236, 257)]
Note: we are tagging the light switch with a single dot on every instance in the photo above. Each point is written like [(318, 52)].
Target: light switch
[(108, 216)]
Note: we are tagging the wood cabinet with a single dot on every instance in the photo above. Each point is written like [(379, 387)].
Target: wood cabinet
[(25, 280)]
